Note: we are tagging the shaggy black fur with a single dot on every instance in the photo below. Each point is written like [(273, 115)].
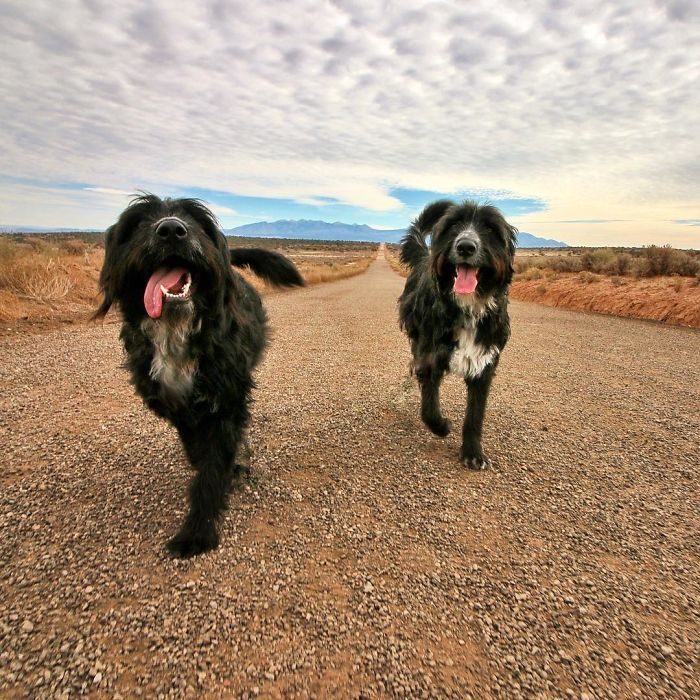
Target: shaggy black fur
[(192, 363), (448, 329)]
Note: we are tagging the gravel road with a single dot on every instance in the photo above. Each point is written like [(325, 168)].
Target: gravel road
[(360, 559)]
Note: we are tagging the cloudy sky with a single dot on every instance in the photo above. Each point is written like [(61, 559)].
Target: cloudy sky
[(580, 119)]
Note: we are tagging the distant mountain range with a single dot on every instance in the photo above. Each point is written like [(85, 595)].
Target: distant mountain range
[(45, 229), (323, 231), (316, 230), (528, 240), (303, 229)]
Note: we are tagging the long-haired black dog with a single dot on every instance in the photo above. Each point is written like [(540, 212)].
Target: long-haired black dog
[(193, 330), (454, 308)]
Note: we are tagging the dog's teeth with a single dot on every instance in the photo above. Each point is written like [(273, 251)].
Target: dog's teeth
[(183, 294)]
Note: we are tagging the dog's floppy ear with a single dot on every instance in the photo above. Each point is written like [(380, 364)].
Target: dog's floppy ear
[(439, 250), (509, 234), (107, 281), (129, 219)]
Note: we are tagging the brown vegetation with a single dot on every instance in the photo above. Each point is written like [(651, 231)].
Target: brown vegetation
[(654, 261), (657, 283), (322, 261), (391, 253), (573, 280), (673, 300), (47, 277), (52, 278)]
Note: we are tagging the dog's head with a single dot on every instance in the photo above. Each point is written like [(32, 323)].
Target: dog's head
[(472, 250), (165, 258)]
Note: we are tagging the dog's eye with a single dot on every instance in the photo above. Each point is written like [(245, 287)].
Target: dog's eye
[(496, 232)]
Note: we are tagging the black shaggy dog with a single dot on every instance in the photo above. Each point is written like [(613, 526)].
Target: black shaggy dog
[(193, 330), (454, 308)]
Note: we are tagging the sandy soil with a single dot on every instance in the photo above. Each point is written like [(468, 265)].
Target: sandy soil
[(673, 300), (360, 560)]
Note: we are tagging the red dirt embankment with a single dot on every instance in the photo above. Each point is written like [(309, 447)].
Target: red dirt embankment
[(674, 300)]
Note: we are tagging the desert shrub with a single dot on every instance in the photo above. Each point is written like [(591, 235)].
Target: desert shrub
[(640, 267), (520, 265), (685, 263), (663, 260), (588, 277), (35, 278), (630, 262), (8, 251), (532, 273), (74, 246), (601, 261), (621, 265), (586, 261), (658, 260), (45, 246), (566, 264)]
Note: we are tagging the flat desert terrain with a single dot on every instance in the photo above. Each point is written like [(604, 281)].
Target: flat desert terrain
[(360, 559)]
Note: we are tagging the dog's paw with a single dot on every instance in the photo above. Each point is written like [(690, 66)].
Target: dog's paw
[(441, 428), (476, 462), (190, 543)]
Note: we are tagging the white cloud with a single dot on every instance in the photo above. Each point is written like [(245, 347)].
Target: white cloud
[(589, 106), (220, 211), (108, 190)]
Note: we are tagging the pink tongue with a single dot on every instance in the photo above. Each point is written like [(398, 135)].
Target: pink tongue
[(466, 280), (153, 296)]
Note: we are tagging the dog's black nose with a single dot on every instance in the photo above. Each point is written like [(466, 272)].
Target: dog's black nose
[(466, 247), (171, 228)]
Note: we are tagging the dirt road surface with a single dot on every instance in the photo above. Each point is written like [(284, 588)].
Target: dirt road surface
[(361, 559)]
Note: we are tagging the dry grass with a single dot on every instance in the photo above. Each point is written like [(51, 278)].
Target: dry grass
[(391, 253), (672, 299), (653, 261), (320, 261), (49, 279), (43, 278), (534, 264), (657, 283), (317, 274)]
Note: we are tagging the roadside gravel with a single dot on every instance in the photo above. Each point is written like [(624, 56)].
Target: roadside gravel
[(360, 559)]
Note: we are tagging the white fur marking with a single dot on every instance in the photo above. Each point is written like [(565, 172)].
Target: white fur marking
[(469, 358), (475, 306), (170, 218), (171, 367)]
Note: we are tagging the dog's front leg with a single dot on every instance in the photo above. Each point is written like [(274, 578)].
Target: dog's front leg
[(211, 450), (430, 379), (477, 393)]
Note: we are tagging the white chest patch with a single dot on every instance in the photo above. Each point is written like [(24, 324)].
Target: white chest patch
[(171, 365), (469, 358)]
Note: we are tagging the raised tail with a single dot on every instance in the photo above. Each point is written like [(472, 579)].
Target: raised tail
[(272, 267), (414, 249)]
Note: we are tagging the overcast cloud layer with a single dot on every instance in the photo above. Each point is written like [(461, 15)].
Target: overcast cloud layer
[(591, 109)]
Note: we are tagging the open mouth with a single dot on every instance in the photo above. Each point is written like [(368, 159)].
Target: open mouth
[(466, 279), (166, 285)]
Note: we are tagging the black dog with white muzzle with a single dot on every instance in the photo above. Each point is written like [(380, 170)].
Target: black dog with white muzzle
[(454, 308), (193, 330)]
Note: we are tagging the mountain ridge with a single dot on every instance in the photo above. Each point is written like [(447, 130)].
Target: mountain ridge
[(310, 229), (306, 229)]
